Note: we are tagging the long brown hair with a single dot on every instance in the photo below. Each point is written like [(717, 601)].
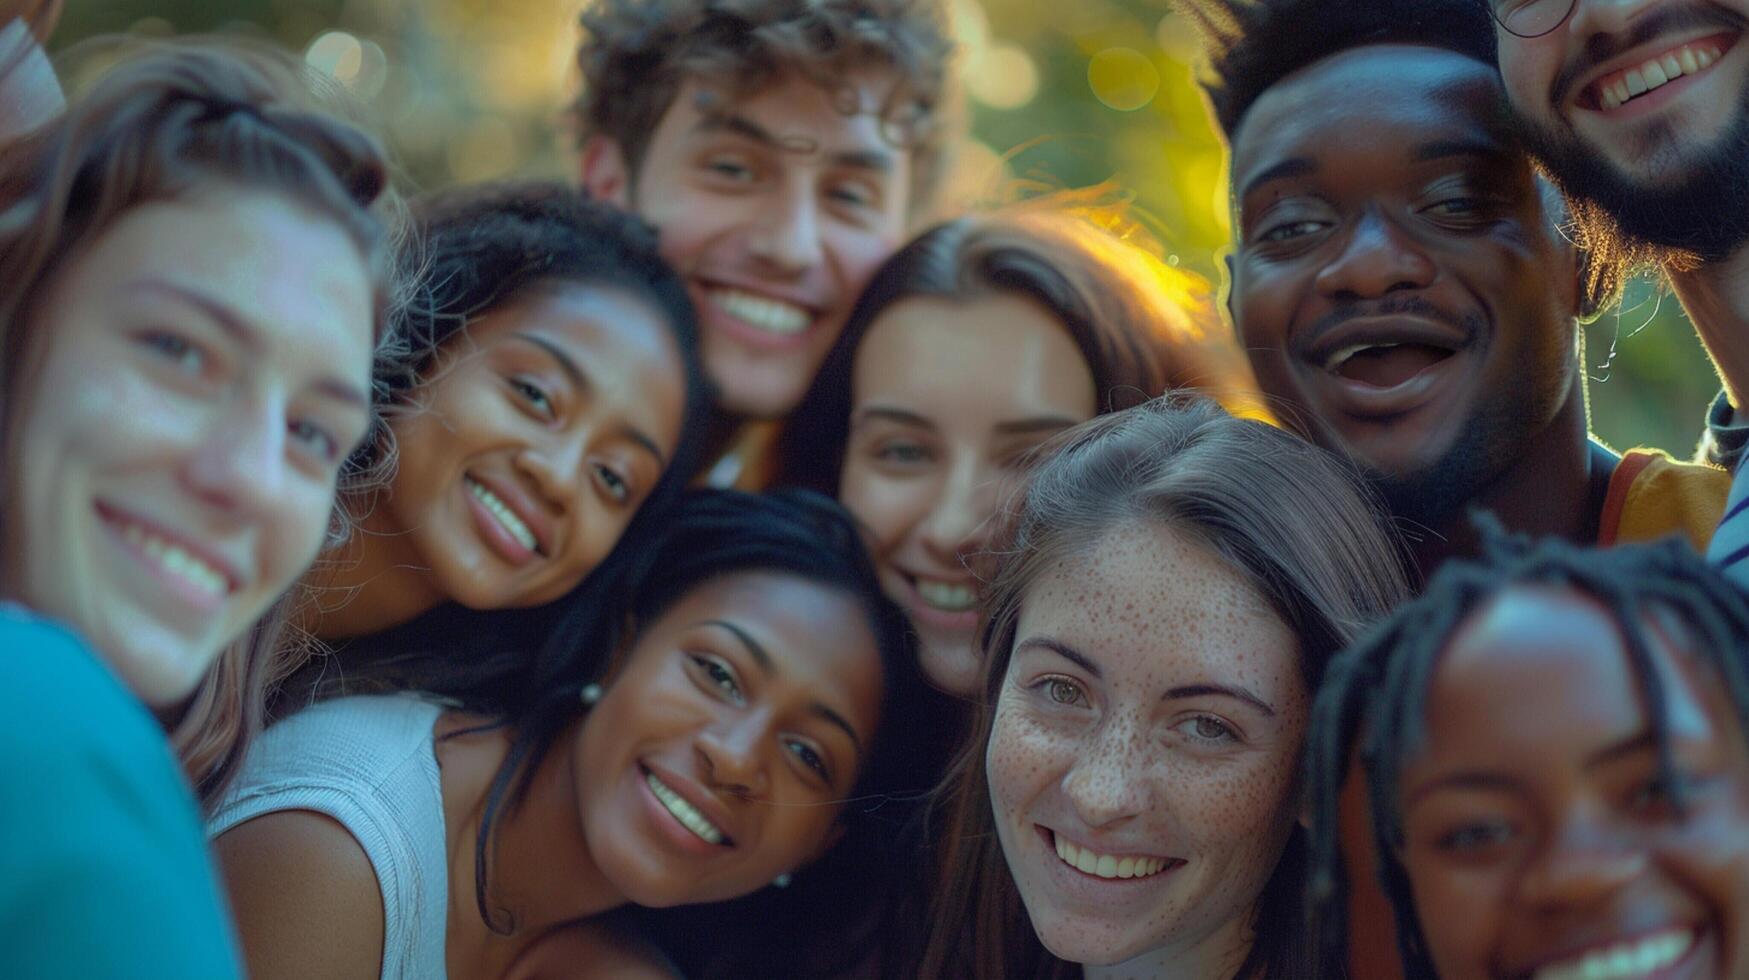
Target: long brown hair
[(1289, 517), (162, 123), (1141, 325)]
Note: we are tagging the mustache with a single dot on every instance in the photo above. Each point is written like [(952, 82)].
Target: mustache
[(1600, 48), (1416, 306)]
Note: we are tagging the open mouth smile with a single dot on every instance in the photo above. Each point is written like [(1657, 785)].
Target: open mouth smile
[(1109, 867), (684, 812), (1386, 366), (1629, 84), (1639, 959)]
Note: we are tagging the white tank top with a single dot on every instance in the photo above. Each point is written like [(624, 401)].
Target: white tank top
[(366, 762)]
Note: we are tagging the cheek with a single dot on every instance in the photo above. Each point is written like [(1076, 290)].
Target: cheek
[(1024, 757), (1461, 938), (888, 508), (857, 253)]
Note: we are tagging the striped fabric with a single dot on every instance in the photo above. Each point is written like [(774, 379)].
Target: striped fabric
[(1729, 550)]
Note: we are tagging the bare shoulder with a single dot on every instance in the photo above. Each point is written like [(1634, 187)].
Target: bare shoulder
[(305, 897), (587, 951)]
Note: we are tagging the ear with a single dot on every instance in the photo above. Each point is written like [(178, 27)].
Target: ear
[(602, 169)]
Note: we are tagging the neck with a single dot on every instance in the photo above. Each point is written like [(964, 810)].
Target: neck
[(1554, 486), (1716, 297), (542, 870), (371, 583), (1216, 956)]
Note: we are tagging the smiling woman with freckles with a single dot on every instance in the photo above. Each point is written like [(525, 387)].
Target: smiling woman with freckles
[(972, 346), (736, 736), (1173, 581), (1555, 744)]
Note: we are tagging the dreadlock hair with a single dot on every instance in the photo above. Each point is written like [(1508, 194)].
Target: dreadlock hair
[(1253, 44), (1374, 695)]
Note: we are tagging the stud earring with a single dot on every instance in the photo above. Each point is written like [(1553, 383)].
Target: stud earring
[(590, 694), (781, 881)]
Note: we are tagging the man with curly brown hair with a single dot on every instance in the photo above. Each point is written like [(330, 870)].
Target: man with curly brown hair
[(782, 148)]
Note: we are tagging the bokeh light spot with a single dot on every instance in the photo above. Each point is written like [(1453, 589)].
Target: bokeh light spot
[(1006, 78), (1123, 78), (336, 54)]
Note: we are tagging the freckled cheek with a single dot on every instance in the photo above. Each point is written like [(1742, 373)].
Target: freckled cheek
[(1024, 758)]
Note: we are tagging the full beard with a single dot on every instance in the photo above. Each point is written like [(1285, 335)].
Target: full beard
[(1698, 206)]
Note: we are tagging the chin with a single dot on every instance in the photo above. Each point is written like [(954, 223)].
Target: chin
[(951, 667), (1085, 945)]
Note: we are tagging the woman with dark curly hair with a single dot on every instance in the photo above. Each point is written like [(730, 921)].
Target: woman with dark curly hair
[(553, 396)]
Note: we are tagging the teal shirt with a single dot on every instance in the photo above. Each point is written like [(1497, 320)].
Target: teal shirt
[(104, 869)]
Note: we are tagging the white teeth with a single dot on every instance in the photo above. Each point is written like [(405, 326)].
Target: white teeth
[(946, 596), (504, 514), (683, 811), (1106, 865), (1341, 355), (771, 315), (177, 561), (1624, 961), (1656, 73)]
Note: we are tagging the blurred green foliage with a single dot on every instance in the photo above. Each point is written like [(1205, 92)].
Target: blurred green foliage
[(1063, 93)]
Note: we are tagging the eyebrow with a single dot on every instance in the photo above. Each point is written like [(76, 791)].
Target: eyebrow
[(1061, 649), (1220, 690), (899, 415), (243, 333), (1466, 779), (1291, 167), (1445, 149), (574, 371), (763, 658), (866, 159)]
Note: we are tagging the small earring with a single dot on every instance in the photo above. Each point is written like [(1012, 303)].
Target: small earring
[(781, 881), (590, 694)]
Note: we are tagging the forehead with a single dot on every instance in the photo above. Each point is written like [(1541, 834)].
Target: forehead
[(818, 636), (1375, 100), (804, 117), (1491, 687), (1154, 607), (999, 356), (292, 275)]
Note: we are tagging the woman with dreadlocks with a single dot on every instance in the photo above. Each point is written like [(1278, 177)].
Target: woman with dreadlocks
[(1553, 743)]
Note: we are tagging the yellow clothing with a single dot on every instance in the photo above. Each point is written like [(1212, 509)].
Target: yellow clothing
[(1652, 495)]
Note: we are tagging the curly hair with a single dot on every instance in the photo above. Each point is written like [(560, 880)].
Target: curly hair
[(1251, 45), (162, 123), (637, 54), (1374, 695)]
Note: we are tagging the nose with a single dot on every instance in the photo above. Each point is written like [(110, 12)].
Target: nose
[(1583, 865), (1106, 784), (731, 753), (1377, 259), (959, 522), (557, 467), (787, 237), (239, 460)]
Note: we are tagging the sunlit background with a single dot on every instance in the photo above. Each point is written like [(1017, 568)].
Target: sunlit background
[(1061, 92)]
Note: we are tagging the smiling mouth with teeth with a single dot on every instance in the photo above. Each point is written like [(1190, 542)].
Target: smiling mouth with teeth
[(763, 313), (1631, 960), (501, 512), (687, 814), (1109, 866), (176, 560), (946, 596), (1383, 365), (1618, 88)]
